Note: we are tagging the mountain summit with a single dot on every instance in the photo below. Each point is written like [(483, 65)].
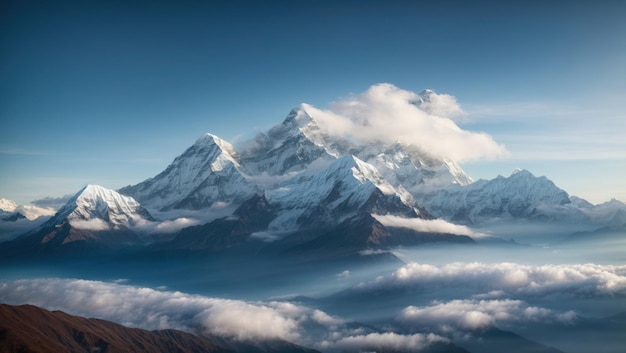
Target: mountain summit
[(95, 218), (206, 173), (519, 196)]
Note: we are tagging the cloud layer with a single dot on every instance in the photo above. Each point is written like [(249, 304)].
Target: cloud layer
[(387, 113), (374, 342), (494, 280), (153, 309), (480, 314), (159, 309), (426, 225)]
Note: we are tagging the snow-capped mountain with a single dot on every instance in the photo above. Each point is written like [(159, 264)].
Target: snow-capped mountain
[(206, 173), (347, 187), (519, 196), (610, 212), (11, 211), (8, 211), (99, 208), (299, 183), (211, 170), (412, 169), (95, 218), (17, 219), (289, 147)]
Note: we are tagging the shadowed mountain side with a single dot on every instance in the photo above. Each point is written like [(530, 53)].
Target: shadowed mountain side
[(364, 233), (252, 216), (65, 240)]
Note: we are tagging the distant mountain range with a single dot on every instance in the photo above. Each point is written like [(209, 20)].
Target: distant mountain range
[(296, 187)]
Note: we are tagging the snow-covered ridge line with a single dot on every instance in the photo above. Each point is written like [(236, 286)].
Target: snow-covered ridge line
[(98, 208)]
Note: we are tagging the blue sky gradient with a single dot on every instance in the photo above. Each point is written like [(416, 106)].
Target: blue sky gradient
[(109, 92)]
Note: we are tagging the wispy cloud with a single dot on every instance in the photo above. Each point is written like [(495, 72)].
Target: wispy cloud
[(52, 202), (427, 225)]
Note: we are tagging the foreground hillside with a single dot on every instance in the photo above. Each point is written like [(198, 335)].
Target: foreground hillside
[(30, 329)]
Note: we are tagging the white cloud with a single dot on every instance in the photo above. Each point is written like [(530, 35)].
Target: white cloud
[(167, 226), (443, 105), (92, 224), (580, 280), (387, 341), (480, 314), (33, 212), (386, 113), (157, 309), (427, 225), (265, 236), (251, 321), (343, 274)]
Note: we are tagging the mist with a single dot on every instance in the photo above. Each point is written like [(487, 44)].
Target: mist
[(409, 298)]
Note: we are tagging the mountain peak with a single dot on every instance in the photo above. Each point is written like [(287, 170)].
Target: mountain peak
[(97, 202), (426, 93), (299, 116), (209, 139), (206, 173), (7, 205), (92, 190), (518, 172), (423, 97)]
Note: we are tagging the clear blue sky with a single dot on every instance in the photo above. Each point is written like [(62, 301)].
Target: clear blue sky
[(109, 92)]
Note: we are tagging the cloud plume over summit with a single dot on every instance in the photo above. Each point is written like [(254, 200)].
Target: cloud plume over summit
[(389, 114)]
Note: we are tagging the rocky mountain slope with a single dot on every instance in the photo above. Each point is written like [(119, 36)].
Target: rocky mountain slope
[(30, 329)]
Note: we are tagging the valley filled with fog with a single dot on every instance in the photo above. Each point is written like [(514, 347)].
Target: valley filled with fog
[(405, 299)]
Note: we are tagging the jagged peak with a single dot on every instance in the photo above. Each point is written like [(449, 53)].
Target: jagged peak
[(95, 188), (425, 94), (95, 202), (96, 193), (299, 116), (518, 172), (209, 139), (422, 97)]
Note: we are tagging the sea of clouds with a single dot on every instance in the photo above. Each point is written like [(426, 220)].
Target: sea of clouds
[(500, 295)]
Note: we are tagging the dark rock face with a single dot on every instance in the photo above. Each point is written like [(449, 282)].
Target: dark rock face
[(252, 216)]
